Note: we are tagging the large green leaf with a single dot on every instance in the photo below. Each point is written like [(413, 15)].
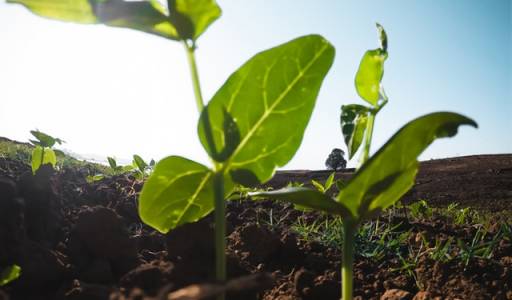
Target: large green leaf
[(192, 17), (147, 16), (79, 11), (353, 121), (305, 197), (9, 274), (38, 159), (369, 75), (271, 98), (390, 173), (178, 191)]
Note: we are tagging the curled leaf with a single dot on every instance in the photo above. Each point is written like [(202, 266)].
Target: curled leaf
[(353, 122)]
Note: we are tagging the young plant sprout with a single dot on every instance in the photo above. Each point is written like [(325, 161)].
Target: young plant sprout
[(9, 274), (43, 153), (382, 179), (118, 169), (141, 167), (252, 125)]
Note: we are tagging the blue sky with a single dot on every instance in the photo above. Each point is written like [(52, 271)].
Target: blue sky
[(116, 92)]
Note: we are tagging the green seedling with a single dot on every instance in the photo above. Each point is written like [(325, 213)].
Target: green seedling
[(43, 153), (409, 264), (94, 178), (323, 188), (382, 179), (9, 274), (141, 168), (375, 240), (442, 251), (478, 247), (252, 125), (116, 169), (420, 209), (295, 184)]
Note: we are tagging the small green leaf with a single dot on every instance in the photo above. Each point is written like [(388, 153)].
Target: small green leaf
[(390, 173), (369, 75), (383, 37), (192, 17), (139, 163), (44, 140), (178, 191), (305, 197), (329, 182), (353, 122), (318, 185), (231, 134), (9, 274), (271, 97), (112, 162), (42, 156), (94, 178)]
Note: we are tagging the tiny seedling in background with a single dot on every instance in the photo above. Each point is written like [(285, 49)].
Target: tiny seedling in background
[(43, 153), (386, 176), (323, 188), (420, 209), (142, 168), (9, 274)]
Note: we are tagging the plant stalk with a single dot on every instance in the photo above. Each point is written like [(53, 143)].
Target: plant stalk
[(42, 156), (190, 49), (369, 130), (369, 135), (220, 229), (347, 263)]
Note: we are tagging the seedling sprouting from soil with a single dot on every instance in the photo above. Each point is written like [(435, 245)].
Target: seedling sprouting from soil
[(323, 188), (9, 274), (252, 125), (141, 167), (382, 179), (43, 153)]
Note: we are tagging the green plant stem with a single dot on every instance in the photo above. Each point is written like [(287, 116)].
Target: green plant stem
[(347, 262), (369, 130), (42, 156), (190, 49), (369, 135), (220, 229)]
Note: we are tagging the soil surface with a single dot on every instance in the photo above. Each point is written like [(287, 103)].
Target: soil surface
[(479, 181), (79, 240)]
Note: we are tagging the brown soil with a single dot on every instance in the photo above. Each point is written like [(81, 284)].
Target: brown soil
[(480, 181), (75, 240)]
